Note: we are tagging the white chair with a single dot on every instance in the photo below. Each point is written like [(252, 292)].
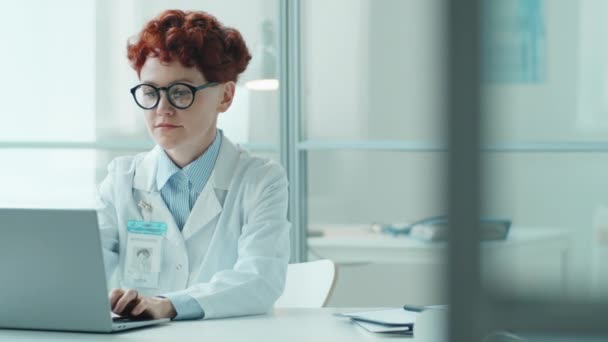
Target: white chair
[(308, 285)]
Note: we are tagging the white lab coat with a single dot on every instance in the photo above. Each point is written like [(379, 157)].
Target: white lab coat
[(233, 251)]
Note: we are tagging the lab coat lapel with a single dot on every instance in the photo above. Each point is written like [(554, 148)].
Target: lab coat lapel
[(206, 208), (208, 205), (147, 197), (158, 212)]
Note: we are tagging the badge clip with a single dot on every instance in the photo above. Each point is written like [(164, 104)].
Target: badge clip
[(145, 206)]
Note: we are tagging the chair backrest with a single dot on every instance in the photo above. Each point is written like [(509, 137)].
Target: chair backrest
[(308, 285)]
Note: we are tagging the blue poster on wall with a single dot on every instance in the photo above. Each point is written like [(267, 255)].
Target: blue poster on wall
[(513, 41)]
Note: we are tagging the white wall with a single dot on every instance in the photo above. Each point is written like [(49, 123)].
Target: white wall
[(399, 60), (47, 81), (560, 190), (373, 70), (546, 110)]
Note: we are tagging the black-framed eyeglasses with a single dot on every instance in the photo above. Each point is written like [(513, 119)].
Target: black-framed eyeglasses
[(180, 95)]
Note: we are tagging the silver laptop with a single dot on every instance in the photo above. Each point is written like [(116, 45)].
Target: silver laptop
[(52, 273)]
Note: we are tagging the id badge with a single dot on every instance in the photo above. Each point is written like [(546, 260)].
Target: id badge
[(144, 249)]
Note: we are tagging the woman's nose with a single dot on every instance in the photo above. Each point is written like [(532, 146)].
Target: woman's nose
[(164, 106)]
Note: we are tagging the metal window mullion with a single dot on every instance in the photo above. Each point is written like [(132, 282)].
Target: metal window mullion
[(293, 159), (428, 146)]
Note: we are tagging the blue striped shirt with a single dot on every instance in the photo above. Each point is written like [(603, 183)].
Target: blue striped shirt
[(179, 189)]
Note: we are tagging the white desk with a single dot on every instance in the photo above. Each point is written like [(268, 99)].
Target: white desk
[(379, 269), (293, 325), (355, 244)]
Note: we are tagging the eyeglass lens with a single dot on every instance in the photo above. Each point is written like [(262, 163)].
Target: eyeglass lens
[(179, 96)]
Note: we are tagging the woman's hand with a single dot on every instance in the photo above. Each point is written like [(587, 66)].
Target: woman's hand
[(130, 303)]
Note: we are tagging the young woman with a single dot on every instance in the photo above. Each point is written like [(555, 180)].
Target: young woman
[(212, 217)]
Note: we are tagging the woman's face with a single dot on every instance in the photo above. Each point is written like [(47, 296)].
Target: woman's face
[(182, 132)]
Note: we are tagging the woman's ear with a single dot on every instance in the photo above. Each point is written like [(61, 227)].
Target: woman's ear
[(227, 96)]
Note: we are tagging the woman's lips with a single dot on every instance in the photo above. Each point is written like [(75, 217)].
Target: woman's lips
[(165, 126)]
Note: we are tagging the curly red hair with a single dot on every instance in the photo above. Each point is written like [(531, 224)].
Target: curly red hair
[(194, 39)]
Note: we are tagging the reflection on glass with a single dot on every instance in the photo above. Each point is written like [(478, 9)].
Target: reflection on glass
[(372, 74), (554, 192), (355, 187), (372, 69), (350, 194)]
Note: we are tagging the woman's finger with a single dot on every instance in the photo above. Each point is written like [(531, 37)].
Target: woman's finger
[(140, 307), (128, 297), (115, 295)]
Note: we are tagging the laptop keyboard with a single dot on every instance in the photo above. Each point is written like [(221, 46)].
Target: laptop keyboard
[(124, 319)]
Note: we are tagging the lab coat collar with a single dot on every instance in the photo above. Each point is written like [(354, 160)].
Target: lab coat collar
[(207, 206), (225, 164), (145, 173), (197, 172)]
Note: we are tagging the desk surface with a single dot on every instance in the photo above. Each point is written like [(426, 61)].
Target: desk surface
[(362, 236), (358, 244), (291, 325)]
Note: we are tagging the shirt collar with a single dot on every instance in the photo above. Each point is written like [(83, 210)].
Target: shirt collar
[(197, 172)]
